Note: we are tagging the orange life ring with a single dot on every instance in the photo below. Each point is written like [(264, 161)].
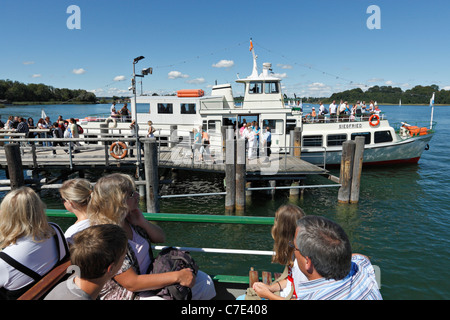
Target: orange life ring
[(376, 123), (118, 150)]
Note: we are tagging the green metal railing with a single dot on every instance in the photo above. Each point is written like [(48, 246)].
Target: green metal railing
[(181, 217)]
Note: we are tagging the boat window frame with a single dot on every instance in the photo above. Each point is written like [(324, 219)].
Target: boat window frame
[(267, 86), (260, 87), (312, 143), (186, 107), (376, 136), (166, 105), (273, 127), (366, 134), (338, 142)]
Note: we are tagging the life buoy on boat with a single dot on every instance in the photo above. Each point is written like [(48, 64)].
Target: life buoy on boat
[(377, 118), (118, 150), (111, 122)]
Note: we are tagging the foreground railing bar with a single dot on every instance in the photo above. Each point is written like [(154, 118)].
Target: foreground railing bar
[(184, 217), (218, 250)]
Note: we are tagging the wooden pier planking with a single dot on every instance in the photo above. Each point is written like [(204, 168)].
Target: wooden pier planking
[(94, 157)]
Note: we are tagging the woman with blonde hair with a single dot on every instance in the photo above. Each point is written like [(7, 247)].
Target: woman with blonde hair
[(75, 194), (116, 201), (31, 246), (283, 232)]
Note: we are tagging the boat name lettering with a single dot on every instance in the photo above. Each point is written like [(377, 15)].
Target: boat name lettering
[(350, 126)]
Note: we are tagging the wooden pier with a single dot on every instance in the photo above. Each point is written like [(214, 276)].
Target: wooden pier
[(230, 159)]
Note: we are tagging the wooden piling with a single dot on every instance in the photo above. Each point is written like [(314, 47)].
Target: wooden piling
[(348, 153), (297, 142), (14, 161), (357, 169), (240, 174), (230, 174), (151, 175)]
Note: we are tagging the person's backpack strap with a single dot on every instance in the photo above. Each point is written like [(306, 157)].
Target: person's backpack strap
[(17, 265), (60, 235)]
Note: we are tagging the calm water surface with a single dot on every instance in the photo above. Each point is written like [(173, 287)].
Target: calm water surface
[(401, 221)]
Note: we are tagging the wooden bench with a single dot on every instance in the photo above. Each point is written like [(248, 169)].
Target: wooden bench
[(47, 283)]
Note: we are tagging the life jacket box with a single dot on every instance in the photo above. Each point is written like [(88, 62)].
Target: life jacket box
[(423, 131), (190, 93)]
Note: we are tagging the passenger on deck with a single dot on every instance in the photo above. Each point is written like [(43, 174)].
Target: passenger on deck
[(30, 243), (116, 201), (197, 144), (324, 256), (98, 252), (75, 194), (283, 232), (267, 142), (151, 130), (74, 131)]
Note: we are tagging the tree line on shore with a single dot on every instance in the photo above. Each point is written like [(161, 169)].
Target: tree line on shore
[(15, 91), (393, 95)]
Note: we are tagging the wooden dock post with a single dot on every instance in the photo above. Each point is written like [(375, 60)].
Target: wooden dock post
[(230, 170), (297, 142), (348, 153), (357, 168), (14, 161), (240, 174), (151, 175)]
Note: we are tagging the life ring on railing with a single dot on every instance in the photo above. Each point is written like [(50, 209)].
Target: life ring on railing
[(376, 117), (118, 150), (109, 120)]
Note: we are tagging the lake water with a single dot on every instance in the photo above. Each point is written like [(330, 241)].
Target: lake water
[(401, 221)]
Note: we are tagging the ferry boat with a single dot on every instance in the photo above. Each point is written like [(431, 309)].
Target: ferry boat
[(322, 136)]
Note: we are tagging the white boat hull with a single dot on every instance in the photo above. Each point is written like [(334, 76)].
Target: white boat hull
[(405, 151)]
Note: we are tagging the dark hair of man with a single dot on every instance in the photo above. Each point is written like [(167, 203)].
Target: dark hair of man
[(326, 244), (95, 248)]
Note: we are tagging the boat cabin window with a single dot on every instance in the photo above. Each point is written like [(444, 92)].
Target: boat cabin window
[(211, 126), (165, 108), (312, 141), (271, 87), (336, 139), (255, 87), (366, 135), (188, 108), (275, 125), (382, 136), (290, 125)]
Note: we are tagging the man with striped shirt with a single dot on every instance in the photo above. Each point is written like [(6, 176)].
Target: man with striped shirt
[(324, 255)]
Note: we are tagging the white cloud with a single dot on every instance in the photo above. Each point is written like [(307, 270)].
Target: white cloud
[(390, 83), (176, 75), (280, 75), (28, 62), (224, 64), (196, 81), (79, 71), (284, 66), (119, 78), (36, 75)]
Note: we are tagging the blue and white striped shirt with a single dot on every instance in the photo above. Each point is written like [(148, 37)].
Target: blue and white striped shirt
[(359, 284)]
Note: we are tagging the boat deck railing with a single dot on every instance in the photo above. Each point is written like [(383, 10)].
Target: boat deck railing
[(327, 118)]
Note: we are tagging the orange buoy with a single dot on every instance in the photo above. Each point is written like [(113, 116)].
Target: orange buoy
[(374, 116), (118, 150), (189, 93)]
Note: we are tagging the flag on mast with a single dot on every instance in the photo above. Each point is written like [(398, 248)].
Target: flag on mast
[(432, 100), (251, 45), (43, 115)]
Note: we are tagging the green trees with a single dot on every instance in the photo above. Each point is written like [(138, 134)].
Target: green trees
[(14, 91), (392, 95)]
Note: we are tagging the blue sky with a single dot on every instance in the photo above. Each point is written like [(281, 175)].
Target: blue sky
[(317, 47)]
